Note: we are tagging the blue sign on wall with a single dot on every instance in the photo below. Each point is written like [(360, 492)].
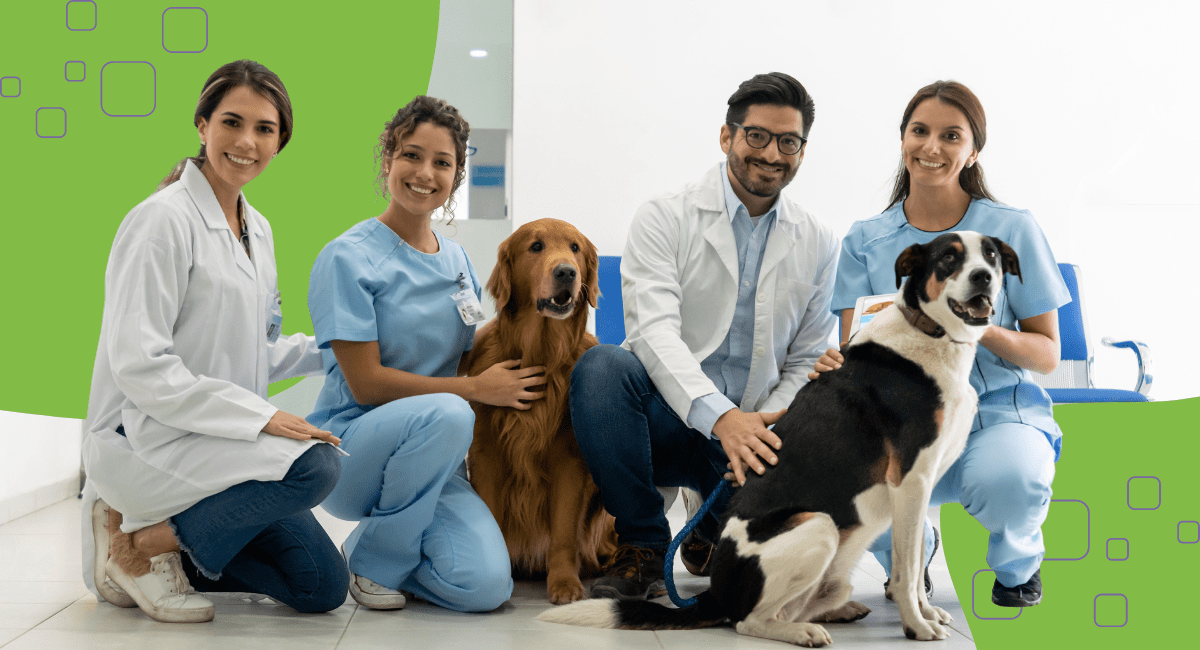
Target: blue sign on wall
[(487, 175)]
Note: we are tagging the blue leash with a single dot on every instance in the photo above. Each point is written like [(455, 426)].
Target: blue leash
[(669, 568)]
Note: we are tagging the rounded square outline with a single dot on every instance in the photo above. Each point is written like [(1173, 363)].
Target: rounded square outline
[(39, 110), (1126, 598), (1179, 539), (163, 31), (153, 70), (1159, 493), (95, 15), (1113, 539), (1089, 533), (987, 618), (18, 87), (74, 80)]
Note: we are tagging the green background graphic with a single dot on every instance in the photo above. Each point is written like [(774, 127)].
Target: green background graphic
[(348, 67)]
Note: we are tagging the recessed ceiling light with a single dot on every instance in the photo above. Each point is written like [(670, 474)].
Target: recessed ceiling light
[(479, 54)]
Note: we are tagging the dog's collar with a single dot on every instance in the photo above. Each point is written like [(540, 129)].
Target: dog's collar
[(922, 321)]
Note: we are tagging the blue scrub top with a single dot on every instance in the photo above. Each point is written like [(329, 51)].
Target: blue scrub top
[(370, 285), (1007, 392)]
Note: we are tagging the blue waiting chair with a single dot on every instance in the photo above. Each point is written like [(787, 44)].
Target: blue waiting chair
[(610, 314), (1071, 382)]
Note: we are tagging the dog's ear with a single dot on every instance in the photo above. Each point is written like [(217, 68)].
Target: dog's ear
[(910, 262), (1008, 258), (591, 275), (500, 284)]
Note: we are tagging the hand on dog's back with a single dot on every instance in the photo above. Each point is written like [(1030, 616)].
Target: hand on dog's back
[(507, 384)]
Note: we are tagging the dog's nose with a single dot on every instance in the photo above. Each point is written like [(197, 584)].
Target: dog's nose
[(565, 273), (981, 276)]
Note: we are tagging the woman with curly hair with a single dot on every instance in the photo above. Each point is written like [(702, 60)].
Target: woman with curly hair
[(391, 303)]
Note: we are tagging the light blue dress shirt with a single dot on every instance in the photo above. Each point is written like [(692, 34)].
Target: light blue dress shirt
[(729, 365)]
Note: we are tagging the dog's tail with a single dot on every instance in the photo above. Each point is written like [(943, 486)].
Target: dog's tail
[(638, 614)]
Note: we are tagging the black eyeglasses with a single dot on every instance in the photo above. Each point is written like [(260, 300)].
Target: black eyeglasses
[(759, 138)]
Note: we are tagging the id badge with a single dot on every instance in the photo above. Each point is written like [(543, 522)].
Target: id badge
[(468, 307), (274, 317)]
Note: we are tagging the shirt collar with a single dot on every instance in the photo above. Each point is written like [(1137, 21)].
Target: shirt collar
[(733, 204)]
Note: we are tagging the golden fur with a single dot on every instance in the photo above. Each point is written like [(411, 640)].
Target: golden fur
[(526, 465)]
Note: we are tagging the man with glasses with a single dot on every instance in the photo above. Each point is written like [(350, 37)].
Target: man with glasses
[(726, 286)]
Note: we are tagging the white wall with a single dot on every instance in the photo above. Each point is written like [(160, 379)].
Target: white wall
[(1091, 112), (40, 462)]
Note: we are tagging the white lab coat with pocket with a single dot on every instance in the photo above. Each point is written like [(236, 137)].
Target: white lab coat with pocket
[(184, 361), (679, 277)]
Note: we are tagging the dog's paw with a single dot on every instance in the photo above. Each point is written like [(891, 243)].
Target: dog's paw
[(810, 635), (847, 613), (935, 613), (925, 630), (561, 591)]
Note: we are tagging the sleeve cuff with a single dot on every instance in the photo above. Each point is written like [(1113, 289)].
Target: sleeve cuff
[(706, 410)]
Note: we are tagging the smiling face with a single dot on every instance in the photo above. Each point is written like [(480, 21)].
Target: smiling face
[(937, 144), (762, 173), (240, 139), (421, 174)]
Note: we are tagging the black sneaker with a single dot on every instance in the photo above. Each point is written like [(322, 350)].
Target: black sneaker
[(937, 541), (1026, 595), (696, 553), (632, 573)]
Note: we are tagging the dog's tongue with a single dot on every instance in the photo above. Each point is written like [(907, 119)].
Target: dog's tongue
[(979, 307)]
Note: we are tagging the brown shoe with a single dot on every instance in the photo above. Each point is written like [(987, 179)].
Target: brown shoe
[(633, 573), (696, 554)]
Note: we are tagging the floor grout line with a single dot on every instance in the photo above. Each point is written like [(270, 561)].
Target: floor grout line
[(347, 628)]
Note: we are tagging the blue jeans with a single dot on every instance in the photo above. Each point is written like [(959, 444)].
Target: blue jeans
[(632, 442), (261, 537), (1003, 480), (421, 526)]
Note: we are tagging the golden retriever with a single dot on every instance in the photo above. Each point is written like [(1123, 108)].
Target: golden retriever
[(526, 465)]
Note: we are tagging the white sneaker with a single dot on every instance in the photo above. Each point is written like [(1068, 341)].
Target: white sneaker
[(372, 595), (164, 592), (108, 589)]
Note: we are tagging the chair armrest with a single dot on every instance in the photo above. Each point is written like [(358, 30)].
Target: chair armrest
[(1145, 369)]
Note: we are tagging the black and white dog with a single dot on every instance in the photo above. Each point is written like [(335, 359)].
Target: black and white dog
[(862, 449)]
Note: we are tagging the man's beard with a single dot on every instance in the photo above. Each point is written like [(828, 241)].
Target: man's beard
[(742, 171)]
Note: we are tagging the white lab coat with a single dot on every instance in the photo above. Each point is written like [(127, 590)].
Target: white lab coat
[(679, 279), (184, 361)]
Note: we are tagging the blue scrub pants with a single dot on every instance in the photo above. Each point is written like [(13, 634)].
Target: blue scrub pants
[(421, 526), (1003, 480), (632, 442)]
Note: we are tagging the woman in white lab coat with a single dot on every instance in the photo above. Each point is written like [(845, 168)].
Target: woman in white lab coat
[(181, 446)]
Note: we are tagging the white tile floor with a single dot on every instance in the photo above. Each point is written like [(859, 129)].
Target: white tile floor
[(44, 606)]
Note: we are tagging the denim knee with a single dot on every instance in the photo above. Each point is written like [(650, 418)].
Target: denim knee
[(315, 473), (601, 367), (333, 580)]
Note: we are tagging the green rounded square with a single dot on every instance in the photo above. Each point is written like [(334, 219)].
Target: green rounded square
[(1144, 493), (127, 88), (185, 30)]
